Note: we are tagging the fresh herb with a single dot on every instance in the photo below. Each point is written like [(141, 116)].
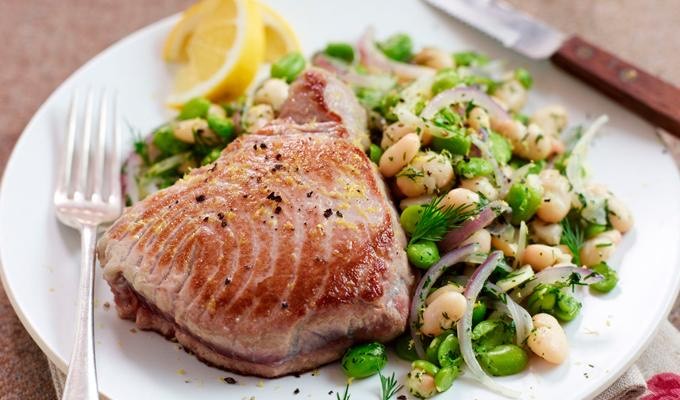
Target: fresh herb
[(435, 222), (411, 173), (389, 386), (447, 119), (573, 237), (345, 395)]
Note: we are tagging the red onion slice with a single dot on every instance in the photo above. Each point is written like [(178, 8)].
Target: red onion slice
[(371, 56), (457, 236), (464, 95), (346, 74), (523, 322), (426, 282), (472, 290), (554, 274), (501, 180), (578, 154), (521, 243)]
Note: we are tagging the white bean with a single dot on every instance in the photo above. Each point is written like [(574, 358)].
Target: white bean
[(552, 119), (599, 248), (434, 58), (420, 384), (442, 313), (535, 145), (483, 239), (258, 116), (546, 233), (394, 132), (509, 128), (478, 119), (556, 197), (273, 92), (551, 179), (185, 130), (427, 173), (460, 197), (554, 207), (509, 249), (512, 93), (448, 288), (480, 185), (548, 340), (619, 215), (399, 155), (541, 256)]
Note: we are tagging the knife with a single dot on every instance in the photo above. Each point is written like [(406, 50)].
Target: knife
[(651, 98)]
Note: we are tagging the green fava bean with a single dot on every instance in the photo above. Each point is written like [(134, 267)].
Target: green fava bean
[(503, 360), (374, 153), (223, 127), (524, 201), (473, 167), (405, 348), (164, 139), (288, 67), (426, 366), (195, 108), (364, 360), (343, 51), (455, 143), (445, 79), (422, 254), (398, 47), (432, 351), (211, 157), (478, 313), (467, 58), (448, 353), (500, 147), (369, 98), (444, 378), (567, 307), (386, 106), (542, 299), (410, 216), (610, 280)]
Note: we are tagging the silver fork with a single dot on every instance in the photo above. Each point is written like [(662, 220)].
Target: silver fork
[(88, 194)]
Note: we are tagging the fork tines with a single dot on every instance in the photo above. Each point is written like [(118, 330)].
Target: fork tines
[(89, 172)]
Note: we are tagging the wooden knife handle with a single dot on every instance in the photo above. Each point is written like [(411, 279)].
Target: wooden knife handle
[(653, 99)]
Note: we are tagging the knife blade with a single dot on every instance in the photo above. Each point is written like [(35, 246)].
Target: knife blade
[(651, 98)]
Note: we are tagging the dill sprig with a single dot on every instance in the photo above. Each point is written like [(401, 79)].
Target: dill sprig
[(389, 386), (573, 237), (435, 222), (345, 395)]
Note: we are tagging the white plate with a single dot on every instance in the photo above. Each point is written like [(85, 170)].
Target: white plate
[(40, 256)]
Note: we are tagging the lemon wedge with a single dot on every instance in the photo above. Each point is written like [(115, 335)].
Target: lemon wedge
[(280, 38), (175, 46), (220, 46)]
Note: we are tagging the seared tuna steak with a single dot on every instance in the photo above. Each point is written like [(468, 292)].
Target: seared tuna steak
[(272, 260)]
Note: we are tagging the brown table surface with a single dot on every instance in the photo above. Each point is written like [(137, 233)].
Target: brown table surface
[(44, 41)]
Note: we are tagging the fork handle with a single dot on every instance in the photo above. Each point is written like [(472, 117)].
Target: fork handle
[(81, 381), (650, 97)]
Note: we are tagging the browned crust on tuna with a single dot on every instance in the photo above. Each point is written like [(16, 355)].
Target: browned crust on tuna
[(280, 255)]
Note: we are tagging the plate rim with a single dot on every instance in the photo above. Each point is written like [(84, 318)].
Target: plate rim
[(62, 364)]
